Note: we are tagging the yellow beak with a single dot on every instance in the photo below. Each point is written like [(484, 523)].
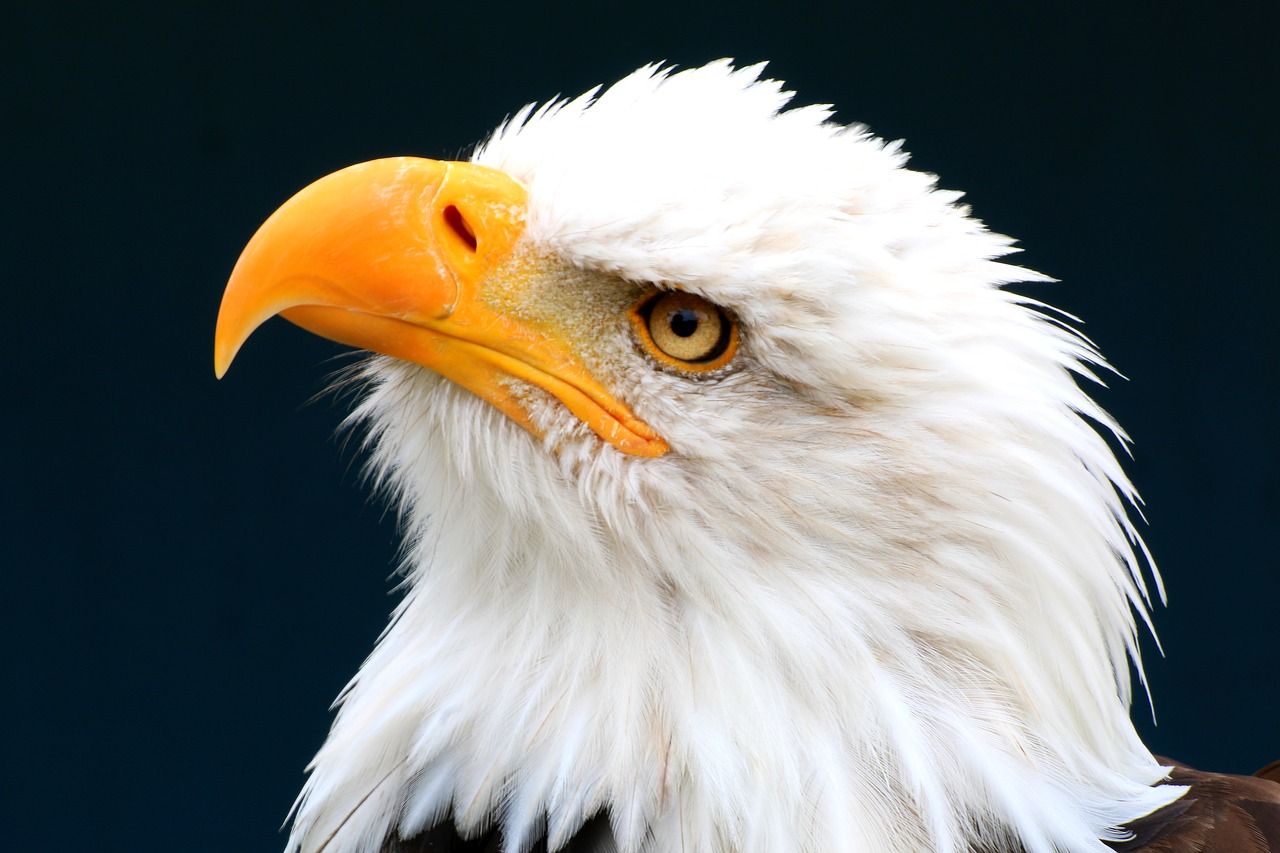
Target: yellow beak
[(392, 256)]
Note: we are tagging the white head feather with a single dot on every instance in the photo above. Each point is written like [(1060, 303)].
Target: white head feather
[(879, 597)]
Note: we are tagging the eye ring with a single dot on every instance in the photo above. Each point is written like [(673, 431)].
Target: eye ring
[(685, 331)]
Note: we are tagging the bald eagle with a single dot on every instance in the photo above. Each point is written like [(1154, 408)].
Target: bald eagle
[(744, 510)]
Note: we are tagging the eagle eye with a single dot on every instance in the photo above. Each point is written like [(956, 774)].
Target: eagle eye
[(685, 331)]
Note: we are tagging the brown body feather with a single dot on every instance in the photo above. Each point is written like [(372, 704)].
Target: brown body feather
[(1221, 813), (594, 837)]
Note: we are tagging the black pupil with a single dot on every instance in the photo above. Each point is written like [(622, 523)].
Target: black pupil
[(684, 322)]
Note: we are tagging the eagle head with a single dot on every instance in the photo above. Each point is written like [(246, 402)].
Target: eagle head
[(741, 503)]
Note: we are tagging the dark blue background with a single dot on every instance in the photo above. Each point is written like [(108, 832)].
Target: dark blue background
[(193, 569)]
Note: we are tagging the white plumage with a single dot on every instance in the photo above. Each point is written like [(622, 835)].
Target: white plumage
[(880, 595)]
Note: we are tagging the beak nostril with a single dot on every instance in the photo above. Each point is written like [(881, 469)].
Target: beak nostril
[(454, 219)]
